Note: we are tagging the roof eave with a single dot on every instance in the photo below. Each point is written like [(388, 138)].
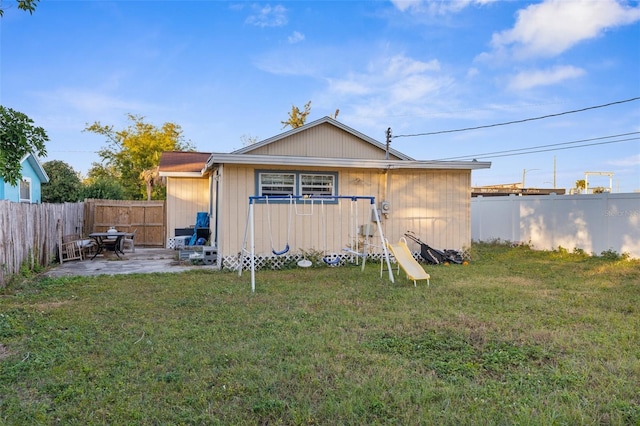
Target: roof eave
[(182, 174), (272, 160), (37, 167)]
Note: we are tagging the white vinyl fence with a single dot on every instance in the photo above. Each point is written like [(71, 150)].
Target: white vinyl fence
[(593, 223)]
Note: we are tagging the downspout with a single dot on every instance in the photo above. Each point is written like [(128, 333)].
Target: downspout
[(217, 177)]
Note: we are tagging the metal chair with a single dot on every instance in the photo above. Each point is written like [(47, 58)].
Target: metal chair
[(127, 242)]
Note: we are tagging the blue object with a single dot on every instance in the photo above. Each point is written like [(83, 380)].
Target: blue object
[(284, 250), (329, 261), (202, 221), (200, 241)]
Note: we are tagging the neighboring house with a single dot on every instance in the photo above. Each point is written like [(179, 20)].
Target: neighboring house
[(29, 189), (430, 198)]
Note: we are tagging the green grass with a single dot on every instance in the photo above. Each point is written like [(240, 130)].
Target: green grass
[(516, 337)]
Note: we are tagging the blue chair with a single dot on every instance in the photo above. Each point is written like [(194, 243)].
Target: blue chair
[(201, 229)]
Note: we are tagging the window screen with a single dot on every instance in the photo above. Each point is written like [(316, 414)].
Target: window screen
[(317, 184), (25, 190), (277, 184)]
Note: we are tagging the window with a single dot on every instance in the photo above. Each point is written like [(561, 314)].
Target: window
[(296, 183), (277, 184), (25, 190), (317, 185)]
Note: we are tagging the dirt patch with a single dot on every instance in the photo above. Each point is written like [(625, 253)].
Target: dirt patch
[(4, 352), (50, 305)]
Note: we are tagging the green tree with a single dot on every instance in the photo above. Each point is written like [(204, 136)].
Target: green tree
[(26, 5), (64, 184), (103, 188), (18, 137), (296, 117), (132, 151)]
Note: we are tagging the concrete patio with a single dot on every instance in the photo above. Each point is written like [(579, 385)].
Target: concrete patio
[(143, 261)]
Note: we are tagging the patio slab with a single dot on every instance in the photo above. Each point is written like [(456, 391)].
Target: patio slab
[(143, 261)]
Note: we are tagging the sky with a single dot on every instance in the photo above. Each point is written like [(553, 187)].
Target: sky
[(230, 72)]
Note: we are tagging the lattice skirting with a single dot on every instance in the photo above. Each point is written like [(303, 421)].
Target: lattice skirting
[(290, 261)]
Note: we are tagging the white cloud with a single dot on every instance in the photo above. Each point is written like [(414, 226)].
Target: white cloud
[(268, 16), (400, 65), (436, 7), (530, 79), (633, 160), (399, 77), (296, 37), (554, 26), (348, 86), (393, 85)]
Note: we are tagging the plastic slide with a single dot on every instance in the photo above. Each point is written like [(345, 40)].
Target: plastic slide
[(405, 260)]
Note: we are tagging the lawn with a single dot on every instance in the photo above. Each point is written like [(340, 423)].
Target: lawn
[(516, 337)]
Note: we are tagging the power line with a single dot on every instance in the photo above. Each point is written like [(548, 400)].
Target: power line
[(518, 121), (557, 149), (486, 154)]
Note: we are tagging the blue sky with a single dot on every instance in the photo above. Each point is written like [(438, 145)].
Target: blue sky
[(228, 71)]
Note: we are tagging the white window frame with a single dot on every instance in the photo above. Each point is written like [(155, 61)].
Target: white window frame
[(308, 188), (25, 180), (284, 184), (298, 188)]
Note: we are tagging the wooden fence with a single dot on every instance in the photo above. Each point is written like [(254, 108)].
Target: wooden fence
[(29, 236), (28, 233), (147, 217)]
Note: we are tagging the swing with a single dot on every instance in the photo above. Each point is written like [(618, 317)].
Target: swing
[(353, 225), (250, 225), (327, 258), (286, 249), (304, 263)]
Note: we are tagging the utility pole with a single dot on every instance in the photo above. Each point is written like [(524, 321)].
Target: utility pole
[(386, 157)]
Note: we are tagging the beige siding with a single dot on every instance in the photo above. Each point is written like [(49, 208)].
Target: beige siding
[(432, 203), (324, 141), (185, 198)]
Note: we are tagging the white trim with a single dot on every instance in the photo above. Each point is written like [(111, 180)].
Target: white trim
[(28, 180), (181, 174), (291, 161)]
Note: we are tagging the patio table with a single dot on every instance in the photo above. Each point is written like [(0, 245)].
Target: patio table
[(108, 241)]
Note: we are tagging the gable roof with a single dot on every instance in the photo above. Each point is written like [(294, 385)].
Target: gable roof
[(179, 163), (259, 154), (323, 121), (36, 166)]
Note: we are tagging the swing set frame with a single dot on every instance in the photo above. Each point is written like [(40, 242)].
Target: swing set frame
[(293, 200)]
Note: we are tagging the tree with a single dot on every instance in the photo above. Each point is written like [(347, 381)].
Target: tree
[(26, 5), (135, 149), (151, 178), (248, 139), (297, 118), (581, 185), (64, 184), (103, 189), (99, 171), (18, 137)]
